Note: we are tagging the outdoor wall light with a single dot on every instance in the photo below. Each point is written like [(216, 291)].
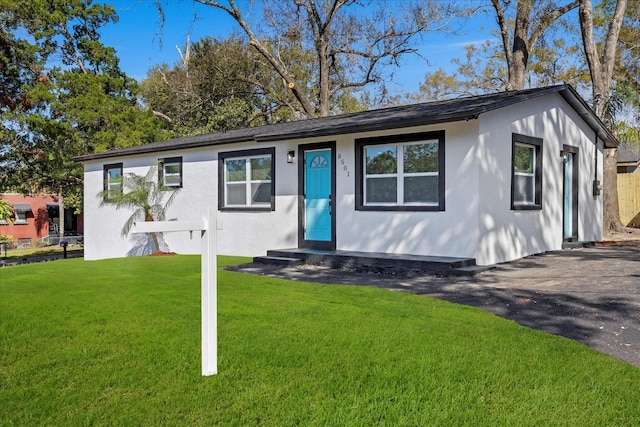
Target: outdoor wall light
[(290, 155), (564, 157)]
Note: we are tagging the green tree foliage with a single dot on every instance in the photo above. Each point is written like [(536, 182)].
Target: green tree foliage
[(420, 158), (6, 211), (225, 84), (382, 160), (145, 196), (64, 95), (216, 85), (207, 90)]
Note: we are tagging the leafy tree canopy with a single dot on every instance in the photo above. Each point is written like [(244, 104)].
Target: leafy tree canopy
[(225, 84), (6, 210), (63, 95)]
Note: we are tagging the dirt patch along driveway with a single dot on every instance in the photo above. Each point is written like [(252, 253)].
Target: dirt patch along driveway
[(590, 295)]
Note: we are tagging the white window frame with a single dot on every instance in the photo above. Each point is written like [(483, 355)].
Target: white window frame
[(536, 176), (111, 186), (165, 163), (531, 175), (248, 182), (399, 175), (20, 218)]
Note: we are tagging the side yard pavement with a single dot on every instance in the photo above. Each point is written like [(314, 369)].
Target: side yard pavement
[(6, 262), (590, 295)]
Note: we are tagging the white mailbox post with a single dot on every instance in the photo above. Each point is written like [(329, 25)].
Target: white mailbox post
[(207, 229)]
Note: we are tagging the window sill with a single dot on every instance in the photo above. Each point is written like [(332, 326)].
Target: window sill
[(400, 208), (524, 207), (247, 209)]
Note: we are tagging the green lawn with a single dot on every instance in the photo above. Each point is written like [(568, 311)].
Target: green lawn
[(117, 342)]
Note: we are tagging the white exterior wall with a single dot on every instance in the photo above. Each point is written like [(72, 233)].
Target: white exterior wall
[(452, 232), (253, 233), (507, 234), (238, 233), (104, 223), (477, 222)]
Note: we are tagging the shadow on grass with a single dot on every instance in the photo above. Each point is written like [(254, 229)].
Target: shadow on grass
[(592, 297)]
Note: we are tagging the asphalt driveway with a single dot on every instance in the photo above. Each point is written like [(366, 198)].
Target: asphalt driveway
[(590, 295)]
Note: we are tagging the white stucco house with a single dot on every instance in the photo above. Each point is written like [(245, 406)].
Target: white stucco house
[(494, 178)]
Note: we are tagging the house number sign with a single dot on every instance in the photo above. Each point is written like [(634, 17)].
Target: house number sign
[(343, 164)]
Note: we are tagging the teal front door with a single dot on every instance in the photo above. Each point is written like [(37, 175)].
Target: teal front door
[(317, 198)]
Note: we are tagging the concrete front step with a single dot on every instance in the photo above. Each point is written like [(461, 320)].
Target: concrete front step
[(374, 262), (278, 260)]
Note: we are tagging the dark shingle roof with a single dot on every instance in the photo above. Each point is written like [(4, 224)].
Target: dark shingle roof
[(629, 155), (386, 118)]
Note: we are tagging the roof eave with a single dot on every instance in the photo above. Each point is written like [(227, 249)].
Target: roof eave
[(369, 127), (153, 148), (589, 116)]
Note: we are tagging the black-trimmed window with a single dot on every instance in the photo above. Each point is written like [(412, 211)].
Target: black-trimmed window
[(170, 172), (112, 180), (246, 180), (526, 172), (400, 172)]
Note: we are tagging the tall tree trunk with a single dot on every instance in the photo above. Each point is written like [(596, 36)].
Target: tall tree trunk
[(601, 72), (610, 207), (520, 57), (324, 78), (517, 52), (154, 238)]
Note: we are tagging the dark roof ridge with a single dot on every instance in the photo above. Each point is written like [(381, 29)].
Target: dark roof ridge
[(448, 110)]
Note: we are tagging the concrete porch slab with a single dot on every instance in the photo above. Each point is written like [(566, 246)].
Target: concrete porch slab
[(374, 261)]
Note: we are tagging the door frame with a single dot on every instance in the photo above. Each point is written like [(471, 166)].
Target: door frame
[(574, 151), (316, 244)]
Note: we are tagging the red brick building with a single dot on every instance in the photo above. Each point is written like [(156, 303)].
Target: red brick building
[(38, 217)]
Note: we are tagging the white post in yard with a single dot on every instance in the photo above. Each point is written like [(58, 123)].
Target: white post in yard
[(209, 298), (208, 267)]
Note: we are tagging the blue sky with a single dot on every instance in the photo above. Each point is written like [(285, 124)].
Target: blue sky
[(140, 42)]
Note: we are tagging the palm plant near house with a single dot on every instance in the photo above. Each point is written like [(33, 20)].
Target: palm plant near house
[(145, 196)]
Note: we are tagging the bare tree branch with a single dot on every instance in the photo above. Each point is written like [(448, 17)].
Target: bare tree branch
[(504, 30), (549, 18), (350, 50)]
